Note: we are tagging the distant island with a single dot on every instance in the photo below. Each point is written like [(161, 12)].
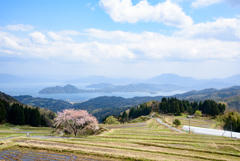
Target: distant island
[(109, 88)]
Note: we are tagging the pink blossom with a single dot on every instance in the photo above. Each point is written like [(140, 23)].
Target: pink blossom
[(77, 119)]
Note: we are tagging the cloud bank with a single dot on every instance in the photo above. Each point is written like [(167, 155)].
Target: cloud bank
[(200, 42), (166, 12)]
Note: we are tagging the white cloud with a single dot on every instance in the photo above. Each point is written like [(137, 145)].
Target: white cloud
[(38, 37), (39, 47), (166, 12), (122, 47), (223, 29), (56, 37), (18, 27), (200, 3)]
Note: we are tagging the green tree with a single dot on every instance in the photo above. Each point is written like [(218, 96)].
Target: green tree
[(200, 106), (111, 120), (176, 109), (164, 107), (124, 115), (131, 112), (214, 110), (2, 112), (43, 121), (181, 106), (177, 122), (190, 110), (19, 117), (221, 108), (35, 119), (198, 113)]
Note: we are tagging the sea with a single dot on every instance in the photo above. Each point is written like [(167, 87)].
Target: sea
[(32, 89)]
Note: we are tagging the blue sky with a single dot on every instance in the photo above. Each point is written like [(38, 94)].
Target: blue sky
[(120, 38)]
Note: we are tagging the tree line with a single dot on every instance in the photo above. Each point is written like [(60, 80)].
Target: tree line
[(18, 114), (176, 107), (134, 112)]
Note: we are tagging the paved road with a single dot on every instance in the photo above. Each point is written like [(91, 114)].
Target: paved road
[(160, 121)]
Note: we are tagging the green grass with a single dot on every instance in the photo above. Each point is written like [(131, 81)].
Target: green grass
[(134, 141)]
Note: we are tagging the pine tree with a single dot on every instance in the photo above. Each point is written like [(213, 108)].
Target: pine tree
[(2, 112), (200, 106), (35, 119), (175, 108), (190, 110), (214, 110), (19, 116), (124, 115), (43, 121), (181, 106)]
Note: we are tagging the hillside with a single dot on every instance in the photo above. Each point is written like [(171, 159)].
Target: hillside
[(51, 104), (7, 98), (17, 113)]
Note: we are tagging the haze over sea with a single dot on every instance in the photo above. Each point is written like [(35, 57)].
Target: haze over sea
[(32, 89)]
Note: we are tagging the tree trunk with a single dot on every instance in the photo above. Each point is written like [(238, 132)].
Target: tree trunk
[(74, 130)]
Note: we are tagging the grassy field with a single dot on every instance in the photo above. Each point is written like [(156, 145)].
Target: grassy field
[(197, 121), (133, 141)]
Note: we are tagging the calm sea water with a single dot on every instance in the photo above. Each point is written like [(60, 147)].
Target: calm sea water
[(16, 89)]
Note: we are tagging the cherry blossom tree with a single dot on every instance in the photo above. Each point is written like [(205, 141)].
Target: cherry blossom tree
[(76, 119)]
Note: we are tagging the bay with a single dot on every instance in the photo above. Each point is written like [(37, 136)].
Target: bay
[(32, 89)]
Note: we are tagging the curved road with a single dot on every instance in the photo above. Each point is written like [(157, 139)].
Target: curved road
[(160, 121)]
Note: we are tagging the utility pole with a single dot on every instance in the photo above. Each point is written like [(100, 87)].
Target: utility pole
[(231, 128)]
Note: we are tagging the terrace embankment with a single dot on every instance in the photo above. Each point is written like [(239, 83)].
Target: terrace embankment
[(145, 141)]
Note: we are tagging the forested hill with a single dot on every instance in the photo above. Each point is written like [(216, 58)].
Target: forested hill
[(113, 102), (51, 104), (211, 92), (104, 106), (8, 98), (17, 113)]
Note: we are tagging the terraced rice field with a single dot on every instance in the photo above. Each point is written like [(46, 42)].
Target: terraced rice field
[(139, 141)]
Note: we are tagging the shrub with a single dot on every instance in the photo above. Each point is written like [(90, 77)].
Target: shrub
[(198, 113), (177, 122), (111, 120)]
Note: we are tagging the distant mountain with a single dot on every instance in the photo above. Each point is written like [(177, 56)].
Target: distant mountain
[(213, 84), (233, 79), (102, 79), (100, 85), (150, 88), (6, 78), (174, 80)]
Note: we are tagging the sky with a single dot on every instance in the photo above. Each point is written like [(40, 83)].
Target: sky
[(120, 38)]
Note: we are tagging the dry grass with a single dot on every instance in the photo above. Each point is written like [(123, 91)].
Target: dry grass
[(139, 141)]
